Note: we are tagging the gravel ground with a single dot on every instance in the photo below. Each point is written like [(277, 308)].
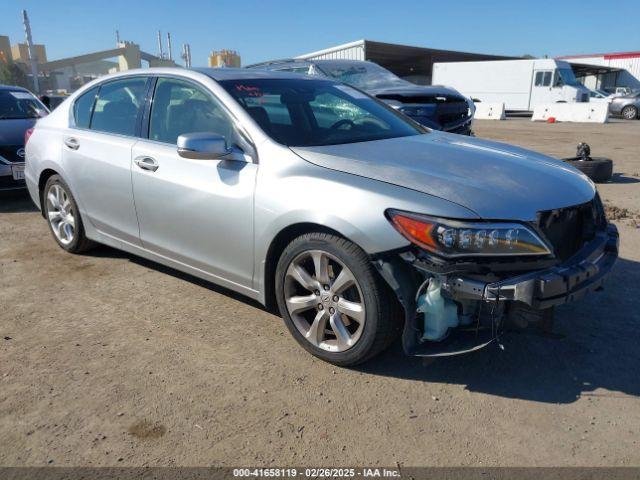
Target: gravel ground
[(107, 359)]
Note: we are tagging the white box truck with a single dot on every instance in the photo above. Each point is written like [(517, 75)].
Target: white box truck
[(519, 84)]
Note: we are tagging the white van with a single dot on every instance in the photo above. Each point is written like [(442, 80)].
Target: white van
[(519, 84)]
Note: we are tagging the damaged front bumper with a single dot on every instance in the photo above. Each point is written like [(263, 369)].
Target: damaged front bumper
[(537, 290)]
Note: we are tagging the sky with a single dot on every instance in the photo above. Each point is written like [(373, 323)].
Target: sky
[(267, 30)]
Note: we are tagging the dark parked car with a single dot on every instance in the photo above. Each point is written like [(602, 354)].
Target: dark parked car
[(436, 106), (52, 101), (19, 110)]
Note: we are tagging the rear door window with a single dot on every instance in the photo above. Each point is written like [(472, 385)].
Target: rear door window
[(118, 105), (83, 107)]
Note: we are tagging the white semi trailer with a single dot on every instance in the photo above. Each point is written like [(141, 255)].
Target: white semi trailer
[(519, 84)]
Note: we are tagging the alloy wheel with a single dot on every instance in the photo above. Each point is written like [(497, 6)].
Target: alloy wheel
[(61, 214), (629, 113), (324, 300)]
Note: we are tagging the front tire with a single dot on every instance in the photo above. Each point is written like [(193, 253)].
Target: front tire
[(63, 216), (333, 302)]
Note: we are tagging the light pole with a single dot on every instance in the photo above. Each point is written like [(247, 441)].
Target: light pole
[(33, 59)]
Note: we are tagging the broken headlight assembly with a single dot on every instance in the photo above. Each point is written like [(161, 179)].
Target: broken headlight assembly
[(454, 238)]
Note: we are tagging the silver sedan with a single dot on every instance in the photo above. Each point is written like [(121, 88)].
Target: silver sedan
[(627, 106), (320, 201)]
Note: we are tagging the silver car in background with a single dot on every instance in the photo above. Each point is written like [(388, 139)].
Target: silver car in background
[(323, 202), (627, 106)]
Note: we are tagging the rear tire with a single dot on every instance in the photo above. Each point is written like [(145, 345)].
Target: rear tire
[(323, 336), (630, 112), (63, 216), (597, 169)]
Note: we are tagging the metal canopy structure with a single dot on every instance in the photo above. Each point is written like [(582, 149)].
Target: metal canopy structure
[(403, 60), (584, 70)]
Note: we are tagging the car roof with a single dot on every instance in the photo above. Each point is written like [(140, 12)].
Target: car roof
[(339, 60), (221, 74), (281, 61), (289, 61), (13, 88)]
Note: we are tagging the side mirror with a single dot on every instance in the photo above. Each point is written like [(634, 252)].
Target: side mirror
[(202, 146)]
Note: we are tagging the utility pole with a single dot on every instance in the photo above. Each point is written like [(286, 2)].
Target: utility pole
[(117, 39), (33, 59), (186, 55), (160, 44), (169, 46)]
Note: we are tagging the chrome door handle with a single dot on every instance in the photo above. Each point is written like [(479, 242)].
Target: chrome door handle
[(146, 163), (72, 143)]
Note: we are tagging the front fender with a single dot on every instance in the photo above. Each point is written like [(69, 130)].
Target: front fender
[(351, 205)]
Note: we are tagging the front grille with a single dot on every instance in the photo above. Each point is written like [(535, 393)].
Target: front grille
[(568, 229), (10, 153), (449, 109), (451, 112)]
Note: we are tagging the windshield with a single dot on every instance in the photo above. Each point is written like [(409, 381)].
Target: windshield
[(567, 76), (19, 104), (309, 112), (364, 75)]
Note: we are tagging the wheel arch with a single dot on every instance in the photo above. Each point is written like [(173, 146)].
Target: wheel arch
[(45, 175), (277, 246)]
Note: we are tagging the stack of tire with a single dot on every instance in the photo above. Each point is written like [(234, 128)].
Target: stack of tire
[(598, 169)]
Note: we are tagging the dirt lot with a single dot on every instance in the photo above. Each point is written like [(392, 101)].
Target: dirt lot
[(110, 360)]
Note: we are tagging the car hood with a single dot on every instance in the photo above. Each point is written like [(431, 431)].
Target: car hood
[(12, 130), (408, 91), (497, 181)]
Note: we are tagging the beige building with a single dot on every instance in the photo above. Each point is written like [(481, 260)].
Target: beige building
[(224, 58), (5, 49), (20, 53)]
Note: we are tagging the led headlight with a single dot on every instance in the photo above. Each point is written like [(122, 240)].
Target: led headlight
[(454, 238)]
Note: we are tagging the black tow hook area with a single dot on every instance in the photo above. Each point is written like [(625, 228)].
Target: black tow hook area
[(404, 281)]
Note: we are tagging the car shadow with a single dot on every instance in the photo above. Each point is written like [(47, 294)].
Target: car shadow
[(621, 178), (595, 352), (103, 251), (16, 202)]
